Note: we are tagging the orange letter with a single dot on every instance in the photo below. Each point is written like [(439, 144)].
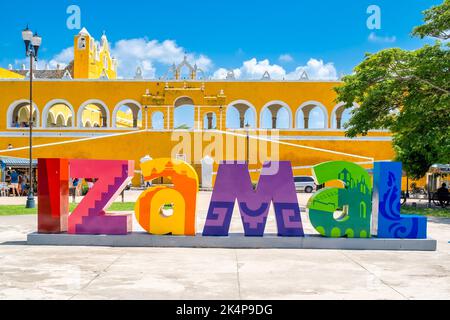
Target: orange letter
[(168, 210)]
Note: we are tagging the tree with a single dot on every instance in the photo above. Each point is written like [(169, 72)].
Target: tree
[(408, 93), (437, 22)]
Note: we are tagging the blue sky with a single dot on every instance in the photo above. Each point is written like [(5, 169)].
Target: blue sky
[(326, 38)]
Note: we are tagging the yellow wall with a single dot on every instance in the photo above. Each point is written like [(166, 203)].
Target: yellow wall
[(6, 74), (210, 96)]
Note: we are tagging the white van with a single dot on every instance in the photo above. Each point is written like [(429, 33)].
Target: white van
[(305, 183)]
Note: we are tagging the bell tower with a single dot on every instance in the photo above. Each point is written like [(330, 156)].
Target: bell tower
[(92, 60), (82, 54)]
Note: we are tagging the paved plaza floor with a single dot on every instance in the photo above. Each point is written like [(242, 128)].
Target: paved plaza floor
[(28, 272)]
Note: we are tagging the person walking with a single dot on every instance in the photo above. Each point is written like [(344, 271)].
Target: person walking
[(76, 185), (21, 184), (15, 183), (25, 186)]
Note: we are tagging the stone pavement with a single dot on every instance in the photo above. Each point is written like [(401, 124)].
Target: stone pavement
[(151, 273)]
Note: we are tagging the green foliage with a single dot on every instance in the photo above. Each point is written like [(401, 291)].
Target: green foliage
[(408, 93), (429, 212), (183, 127), (14, 210), (437, 22)]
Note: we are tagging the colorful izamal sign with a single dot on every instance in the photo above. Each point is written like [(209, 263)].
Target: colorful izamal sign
[(366, 205)]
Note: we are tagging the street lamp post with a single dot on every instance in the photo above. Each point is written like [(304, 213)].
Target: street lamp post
[(32, 44), (247, 130), (146, 117), (146, 101)]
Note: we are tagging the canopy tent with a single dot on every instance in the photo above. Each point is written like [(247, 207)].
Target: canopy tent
[(440, 169), (16, 163)]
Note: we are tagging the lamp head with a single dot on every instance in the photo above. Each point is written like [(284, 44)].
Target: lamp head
[(36, 42), (27, 36)]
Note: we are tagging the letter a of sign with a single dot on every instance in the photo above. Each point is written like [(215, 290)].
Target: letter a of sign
[(233, 182), (112, 177), (162, 210), (354, 200)]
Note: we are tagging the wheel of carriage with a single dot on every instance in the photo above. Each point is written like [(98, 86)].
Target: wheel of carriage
[(403, 198)]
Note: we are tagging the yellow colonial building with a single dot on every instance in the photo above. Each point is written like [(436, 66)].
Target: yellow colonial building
[(87, 112)]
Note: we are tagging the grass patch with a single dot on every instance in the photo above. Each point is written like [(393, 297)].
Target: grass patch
[(20, 210), (129, 206), (429, 212)]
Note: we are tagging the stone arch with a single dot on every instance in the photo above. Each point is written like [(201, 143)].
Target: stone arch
[(102, 109), (51, 120), (210, 121), (136, 112), (47, 112), (184, 107), (300, 119), (60, 120), (157, 120), (306, 109), (246, 112), (14, 109), (338, 115), (274, 107), (182, 101)]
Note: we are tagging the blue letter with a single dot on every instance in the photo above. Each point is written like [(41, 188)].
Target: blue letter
[(386, 203)]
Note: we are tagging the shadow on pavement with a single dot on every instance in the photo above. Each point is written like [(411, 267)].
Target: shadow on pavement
[(14, 243), (439, 220)]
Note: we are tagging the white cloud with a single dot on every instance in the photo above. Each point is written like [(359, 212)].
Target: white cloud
[(254, 70), (63, 58), (377, 39), (203, 62), (132, 53), (286, 58), (316, 70), (154, 58), (221, 74)]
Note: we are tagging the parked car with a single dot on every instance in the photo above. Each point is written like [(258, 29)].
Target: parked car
[(305, 183)]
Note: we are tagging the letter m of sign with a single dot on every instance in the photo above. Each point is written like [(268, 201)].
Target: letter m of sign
[(233, 182)]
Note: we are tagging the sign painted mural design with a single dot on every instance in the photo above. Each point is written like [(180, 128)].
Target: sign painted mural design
[(162, 210), (391, 224), (180, 200), (354, 199), (233, 183)]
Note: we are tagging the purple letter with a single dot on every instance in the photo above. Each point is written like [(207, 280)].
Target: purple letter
[(233, 182)]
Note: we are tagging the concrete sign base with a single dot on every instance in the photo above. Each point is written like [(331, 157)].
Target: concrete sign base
[(233, 241)]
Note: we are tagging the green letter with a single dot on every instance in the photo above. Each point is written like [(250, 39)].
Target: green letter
[(355, 200)]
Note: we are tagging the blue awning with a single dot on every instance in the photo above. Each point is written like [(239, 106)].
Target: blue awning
[(16, 163)]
